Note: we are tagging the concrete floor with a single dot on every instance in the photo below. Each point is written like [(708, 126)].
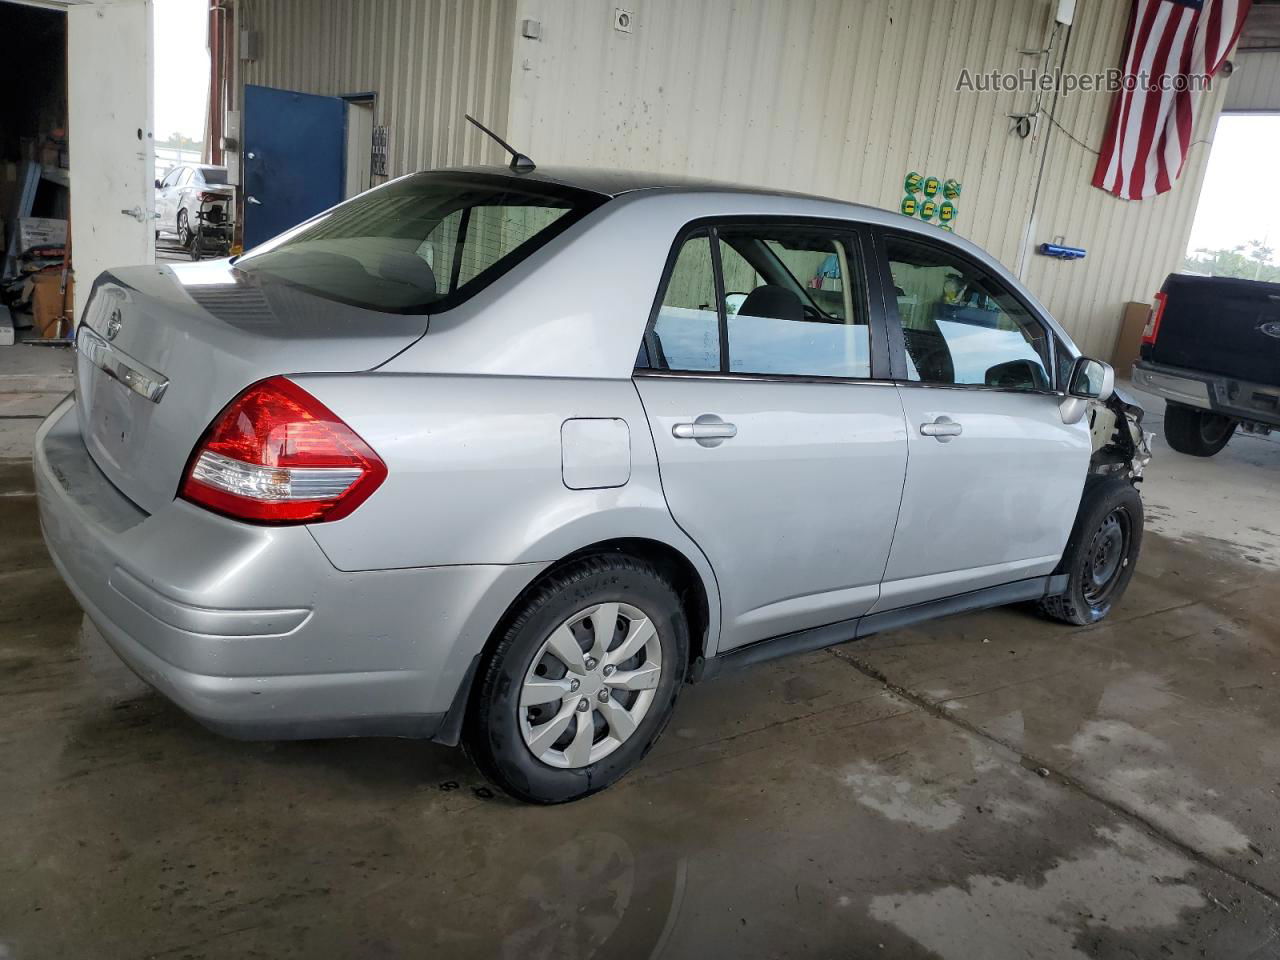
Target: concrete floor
[(988, 786)]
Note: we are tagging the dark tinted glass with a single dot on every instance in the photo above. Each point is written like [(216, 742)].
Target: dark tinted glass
[(426, 242)]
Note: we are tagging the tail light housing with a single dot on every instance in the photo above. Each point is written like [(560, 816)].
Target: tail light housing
[(206, 197), (278, 455), (1152, 329)]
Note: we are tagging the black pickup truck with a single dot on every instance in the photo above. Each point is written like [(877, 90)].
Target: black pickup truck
[(1212, 350)]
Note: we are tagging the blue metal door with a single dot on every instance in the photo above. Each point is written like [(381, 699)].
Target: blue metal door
[(294, 158)]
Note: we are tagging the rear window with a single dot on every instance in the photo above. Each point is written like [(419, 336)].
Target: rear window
[(424, 243)]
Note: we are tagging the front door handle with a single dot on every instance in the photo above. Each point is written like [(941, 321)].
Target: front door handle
[(708, 429), (941, 429)]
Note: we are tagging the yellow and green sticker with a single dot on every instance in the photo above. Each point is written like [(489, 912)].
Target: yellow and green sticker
[(928, 209), (909, 206), (912, 182), (931, 186), (951, 189), (947, 211)]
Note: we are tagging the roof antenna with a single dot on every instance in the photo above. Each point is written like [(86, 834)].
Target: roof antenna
[(519, 162)]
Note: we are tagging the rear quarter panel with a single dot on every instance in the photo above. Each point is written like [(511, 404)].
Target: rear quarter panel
[(474, 472)]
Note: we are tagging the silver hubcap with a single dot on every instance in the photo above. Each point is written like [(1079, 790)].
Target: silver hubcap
[(590, 684)]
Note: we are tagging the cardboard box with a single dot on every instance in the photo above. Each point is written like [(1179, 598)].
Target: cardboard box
[(47, 303), (1128, 341), (40, 232)]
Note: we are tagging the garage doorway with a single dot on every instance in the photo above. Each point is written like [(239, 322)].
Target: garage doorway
[(359, 157), (1236, 232), (76, 170)]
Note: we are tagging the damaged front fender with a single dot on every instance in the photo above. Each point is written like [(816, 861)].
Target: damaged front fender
[(1120, 447)]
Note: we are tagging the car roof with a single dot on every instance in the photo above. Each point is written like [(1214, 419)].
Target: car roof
[(615, 183)]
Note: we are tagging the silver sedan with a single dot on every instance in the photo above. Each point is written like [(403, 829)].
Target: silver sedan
[(508, 457)]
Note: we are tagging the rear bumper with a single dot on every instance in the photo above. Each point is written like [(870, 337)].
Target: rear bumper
[(1238, 399), (250, 629)]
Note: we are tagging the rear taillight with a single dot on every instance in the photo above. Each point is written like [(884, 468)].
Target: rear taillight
[(1152, 329), (210, 197), (276, 454)]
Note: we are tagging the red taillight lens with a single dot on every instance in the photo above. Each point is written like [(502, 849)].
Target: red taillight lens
[(276, 454), (1152, 329), (210, 197)]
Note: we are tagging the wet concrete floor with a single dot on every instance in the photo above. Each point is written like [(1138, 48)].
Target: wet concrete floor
[(987, 786)]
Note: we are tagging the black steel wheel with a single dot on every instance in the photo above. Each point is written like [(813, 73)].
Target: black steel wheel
[(1106, 557), (1101, 552)]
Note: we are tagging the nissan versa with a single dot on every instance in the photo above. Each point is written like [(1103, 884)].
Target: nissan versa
[(505, 457)]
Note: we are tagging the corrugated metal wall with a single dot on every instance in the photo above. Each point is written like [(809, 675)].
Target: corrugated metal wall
[(843, 98), (1255, 85), (428, 62)]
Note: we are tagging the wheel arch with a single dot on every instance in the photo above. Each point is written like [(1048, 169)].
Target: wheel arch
[(693, 583)]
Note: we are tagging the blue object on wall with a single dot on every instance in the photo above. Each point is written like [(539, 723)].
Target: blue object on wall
[(1061, 252), (294, 158)]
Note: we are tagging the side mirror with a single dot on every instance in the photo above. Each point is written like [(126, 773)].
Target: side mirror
[(157, 184), (1091, 380)]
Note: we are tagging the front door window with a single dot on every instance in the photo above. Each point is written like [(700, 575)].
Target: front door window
[(961, 326)]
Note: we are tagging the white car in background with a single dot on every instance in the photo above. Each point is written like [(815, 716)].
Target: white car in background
[(180, 194)]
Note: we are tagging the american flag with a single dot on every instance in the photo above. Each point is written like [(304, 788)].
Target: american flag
[(1150, 128)]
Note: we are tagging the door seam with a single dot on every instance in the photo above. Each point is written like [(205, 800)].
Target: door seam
[(902, 496), (657, 460)]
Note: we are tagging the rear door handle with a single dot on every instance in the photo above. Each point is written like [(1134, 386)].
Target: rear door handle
[(708, 429), (941, 429)]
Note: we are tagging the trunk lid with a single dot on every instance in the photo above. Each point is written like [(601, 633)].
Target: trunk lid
[(165, 348), (1221, 325)]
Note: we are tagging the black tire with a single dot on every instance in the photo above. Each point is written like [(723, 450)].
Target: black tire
[(183, 229), (1196, 432), (197, 243), (1101, 553), (492, 734)]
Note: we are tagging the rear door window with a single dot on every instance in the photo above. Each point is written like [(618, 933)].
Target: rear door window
[(765, 299), (794, 303), (422, 243)]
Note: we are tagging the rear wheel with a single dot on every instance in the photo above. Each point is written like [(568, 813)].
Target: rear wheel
[(184, 228), (1101, 553), (581, 683), (1196, 432)]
